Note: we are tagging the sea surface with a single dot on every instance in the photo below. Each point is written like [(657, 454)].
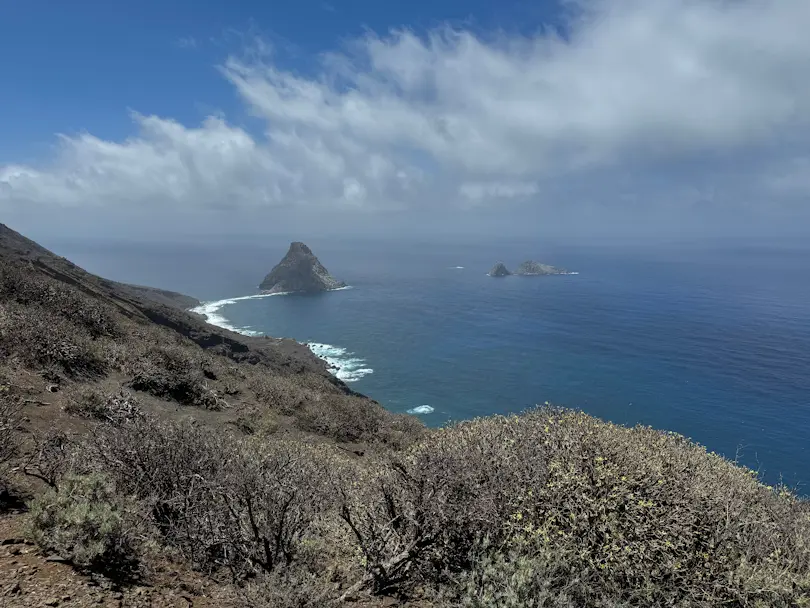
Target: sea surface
[(708, 339)]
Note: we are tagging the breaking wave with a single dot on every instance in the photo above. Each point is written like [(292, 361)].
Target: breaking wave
[(211, 312), (342, 363), (421, 409)]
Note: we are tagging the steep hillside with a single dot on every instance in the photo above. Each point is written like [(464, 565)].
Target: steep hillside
[(149, 459)]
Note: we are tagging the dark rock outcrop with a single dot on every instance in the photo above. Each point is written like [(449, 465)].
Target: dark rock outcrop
[(532, 269), (499, 270), (299, 272)]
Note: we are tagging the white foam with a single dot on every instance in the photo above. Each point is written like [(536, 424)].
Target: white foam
[(342, 363), (457, 267), (421, 409), (210, 310)]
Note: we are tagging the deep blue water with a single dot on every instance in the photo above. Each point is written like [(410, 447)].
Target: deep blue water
[(709, 340)]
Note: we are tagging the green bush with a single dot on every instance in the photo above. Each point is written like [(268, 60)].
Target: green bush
[(513, 580), (84, 522)]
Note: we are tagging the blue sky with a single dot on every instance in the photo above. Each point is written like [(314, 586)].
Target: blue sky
[(81, 65), (670, 115)]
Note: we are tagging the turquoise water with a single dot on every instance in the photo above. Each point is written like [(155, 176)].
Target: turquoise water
[(712, 341)]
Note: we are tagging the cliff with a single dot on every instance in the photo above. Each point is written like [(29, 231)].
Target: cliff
[(299, 271)]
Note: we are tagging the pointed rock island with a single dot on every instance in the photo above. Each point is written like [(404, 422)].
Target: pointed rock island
[(499, 270), (534, 269), (299, 272)]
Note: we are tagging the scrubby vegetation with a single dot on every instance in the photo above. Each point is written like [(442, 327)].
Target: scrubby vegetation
[(109, 407), (175, 373), (9, 438), (88, 523), (25, 286), (149, 436), (551, 508), (39, 338)]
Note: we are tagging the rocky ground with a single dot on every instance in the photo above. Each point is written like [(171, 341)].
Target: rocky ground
[(29, 579)]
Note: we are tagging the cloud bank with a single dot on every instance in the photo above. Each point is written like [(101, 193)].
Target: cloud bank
[(713, 95)]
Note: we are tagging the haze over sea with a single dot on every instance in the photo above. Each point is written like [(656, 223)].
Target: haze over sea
[(708, 339)]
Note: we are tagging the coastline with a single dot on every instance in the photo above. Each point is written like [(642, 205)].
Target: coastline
[(341, 362)]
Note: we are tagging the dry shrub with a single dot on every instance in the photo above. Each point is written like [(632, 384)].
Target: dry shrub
[(400, 431), (270, 496), (320, 408), (43, 339), (9, 438), (342, 417), (87, 523), (258, 421), (598, 515), (296, 589), (54, 456), (9, 411), (169, 467), (178, 373), (29, 287), (283, 394), (115, 408), (349, 418), (222, 502)]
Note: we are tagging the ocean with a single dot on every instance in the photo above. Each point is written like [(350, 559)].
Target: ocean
[(708, 339)]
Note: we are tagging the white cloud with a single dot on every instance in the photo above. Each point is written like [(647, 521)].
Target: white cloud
[(451, 118), (477, 191)]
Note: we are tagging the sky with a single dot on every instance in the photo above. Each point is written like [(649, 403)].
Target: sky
[(162, 120)]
